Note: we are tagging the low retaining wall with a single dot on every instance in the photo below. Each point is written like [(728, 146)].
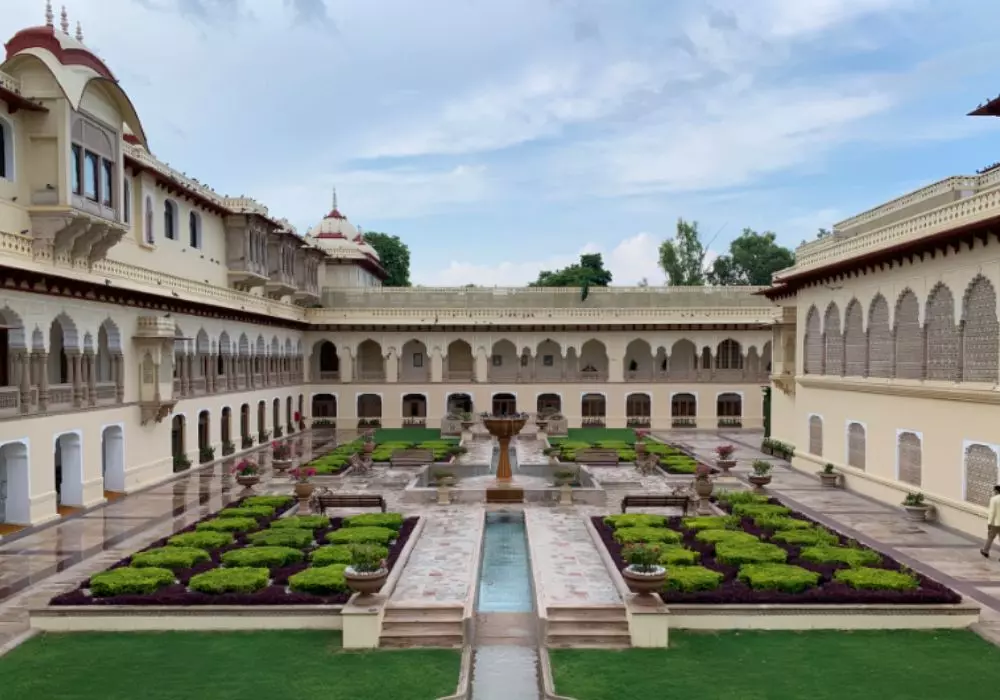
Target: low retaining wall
[(114, 618)]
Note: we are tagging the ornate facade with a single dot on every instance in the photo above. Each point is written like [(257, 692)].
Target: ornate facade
[(148, 323)]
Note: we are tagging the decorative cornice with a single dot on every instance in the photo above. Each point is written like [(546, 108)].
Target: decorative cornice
[(947, 391)]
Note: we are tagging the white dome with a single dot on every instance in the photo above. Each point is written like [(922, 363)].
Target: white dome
[(333, 227), (339, 237)]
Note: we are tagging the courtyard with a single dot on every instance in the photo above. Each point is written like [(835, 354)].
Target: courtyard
[(540, 560)]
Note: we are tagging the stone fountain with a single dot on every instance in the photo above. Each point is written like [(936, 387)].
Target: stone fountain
[(504, 429)]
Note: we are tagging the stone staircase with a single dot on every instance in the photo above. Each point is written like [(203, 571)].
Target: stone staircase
[(423, 626), (592, 627)]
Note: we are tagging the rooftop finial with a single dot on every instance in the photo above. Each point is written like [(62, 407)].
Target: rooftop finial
[(64, 20), (49, 16), (79, 31), (335, 199)]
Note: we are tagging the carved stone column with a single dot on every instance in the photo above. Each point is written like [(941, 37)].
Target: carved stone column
[(43, 380), (437, 366), (390, 365), (181, 363), (90, 363), (74, 365), (212, 373), (118, 368), (25, 359)]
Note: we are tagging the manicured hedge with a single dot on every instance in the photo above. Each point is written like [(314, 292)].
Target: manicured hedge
[(247, 512), (237, 580), (304, 522), (262, 557), (229, 524), (205, 539), (393, 521), (362, 535), (320, 580), (282, 537), (341, 554), (762, 552), (127, 580), (274, 501), (172, 558)]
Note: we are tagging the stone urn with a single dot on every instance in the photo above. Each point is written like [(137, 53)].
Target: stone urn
[(367, 583), (725, 465), (467, 425), (640, 449), (644, 582), (829, 479), (542, 424), (303, 490), (281, 465), (703, 486), (369, 447), (247, 481), (916, 513), (759, 480), (444, 493), (565, 494)]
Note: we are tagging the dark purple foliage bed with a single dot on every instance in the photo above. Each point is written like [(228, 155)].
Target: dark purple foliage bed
[(275, 594), (733, 591)]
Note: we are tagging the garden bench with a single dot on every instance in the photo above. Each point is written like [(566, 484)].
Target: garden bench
[(411, 458), (655, 501), (597, 456), (322, 501)]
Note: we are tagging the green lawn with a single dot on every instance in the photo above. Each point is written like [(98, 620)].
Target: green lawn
[(822, 665), (295, 665), (409, 435), (598, 434)]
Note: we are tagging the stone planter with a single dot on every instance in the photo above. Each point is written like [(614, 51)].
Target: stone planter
[(444, 494), (369, 447), (829, 480), (542, 424), (303, 490), (703, 487), (366, 583), (467, 424), (916, 513), (643, 583), (767, 449), (725, 465), (281, 465), (247, 481), (759, 481), (565, 495), (640, 449)]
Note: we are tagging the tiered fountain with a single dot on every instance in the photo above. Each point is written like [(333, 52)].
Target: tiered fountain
[(504, 428)]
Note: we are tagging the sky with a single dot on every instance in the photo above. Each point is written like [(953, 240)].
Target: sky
[(498, 138)]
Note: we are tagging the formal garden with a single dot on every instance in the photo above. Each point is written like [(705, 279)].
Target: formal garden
[(251, 553), (629, 444), (761, 552)]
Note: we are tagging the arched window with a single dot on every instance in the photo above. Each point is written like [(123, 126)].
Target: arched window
[(170, 220), (127, 202), (194, 229), (6, 150), (150, 236)]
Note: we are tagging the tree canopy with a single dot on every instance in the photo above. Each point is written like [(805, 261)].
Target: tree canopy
[(682, 257), (589, 272), (395, 257), (753, 259)]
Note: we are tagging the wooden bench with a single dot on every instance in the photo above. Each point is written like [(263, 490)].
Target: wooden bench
[(655, 501), (597, 456), (411, 458), (321, 501)]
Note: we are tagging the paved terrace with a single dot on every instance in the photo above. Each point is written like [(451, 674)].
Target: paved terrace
[(38, 565)]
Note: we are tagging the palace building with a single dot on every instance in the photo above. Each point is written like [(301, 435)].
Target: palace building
[(149, 323)]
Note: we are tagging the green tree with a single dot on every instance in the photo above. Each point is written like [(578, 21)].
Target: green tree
[(395, 257), (682, 258), (587, 273), (753, 259)]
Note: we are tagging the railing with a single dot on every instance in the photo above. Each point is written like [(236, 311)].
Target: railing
[(10, 399), (329, 376), (415, 422), (638, 421), (371, 375), (60, 394), (950, 184), (459, 375), (105, 391), (198, 385), (9, 82), (415, 376)]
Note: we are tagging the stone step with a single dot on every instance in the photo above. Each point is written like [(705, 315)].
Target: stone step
[(610, 613), (416, 614), (589, 642), (421, 629), (563, 628), (433, 642)]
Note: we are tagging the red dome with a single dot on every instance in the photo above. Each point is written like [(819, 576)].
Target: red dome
[(67, 50)]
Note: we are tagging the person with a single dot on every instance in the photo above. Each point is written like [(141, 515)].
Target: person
[(992, 521)]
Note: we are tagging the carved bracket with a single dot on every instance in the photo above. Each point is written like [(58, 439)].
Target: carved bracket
[(785, 383), (155, 411)]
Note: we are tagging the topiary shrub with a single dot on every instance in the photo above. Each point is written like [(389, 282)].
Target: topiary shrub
[(282, 537), (737, 553), (320, 580), (635, 520), (678, 556), (711, 522), (247, 512), (688, 579), (262, 557), (239, 580), (716, 536), (129, 581), (172, 558), (273, 501), (805, 537), (870, 579), (627, 535), (734, 497), (393, 521), (362, 535), (343, 554), (756, 510), (205, 539), (303, 522), (852, 556), (229, 525), (781, 522), (778, 577)]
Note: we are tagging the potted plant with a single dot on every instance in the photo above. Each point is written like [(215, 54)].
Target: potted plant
[(369, 441), (263, 436), (246, 442), (228, 448), (640, 442), (368, 571), (444, 480), (643, 575), (564, 479), (916, 507), (206, 454), (761, 476), (828, 477), (281, 456), (724, 458), (467, 419), (277, 431), (542, 421), (247, 473), (303, 488), (300, 419)]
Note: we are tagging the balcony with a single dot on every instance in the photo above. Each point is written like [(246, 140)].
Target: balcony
[(371, 375), (279, 284), (329, 376), (71, 236), (459, 375)]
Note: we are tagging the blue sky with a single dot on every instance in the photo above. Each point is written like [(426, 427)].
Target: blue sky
[(500, 137)]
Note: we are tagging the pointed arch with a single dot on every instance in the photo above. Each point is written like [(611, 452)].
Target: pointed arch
[(909, 337), (980, 332), (813, 343), (855, 342), (880, 345), (833, 341), (942, 335)]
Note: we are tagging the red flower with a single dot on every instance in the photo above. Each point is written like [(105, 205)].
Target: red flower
[(298, 416)]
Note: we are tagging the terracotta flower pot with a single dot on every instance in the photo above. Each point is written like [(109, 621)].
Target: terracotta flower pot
[(303, 490), (247, 480), (365, 583), (644, 583)]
